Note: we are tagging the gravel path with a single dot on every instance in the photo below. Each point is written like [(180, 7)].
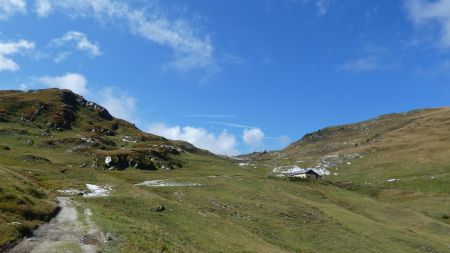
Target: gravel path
[(70, 231)]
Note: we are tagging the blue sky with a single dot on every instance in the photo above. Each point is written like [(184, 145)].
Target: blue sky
[(232, 76)]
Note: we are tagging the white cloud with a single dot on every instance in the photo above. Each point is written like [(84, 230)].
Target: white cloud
[(43, 7), (24, 87), (61, 56), (80, 41), (432, 12), (10, 7), (223, 143), (253, 137), (322, 6), (191, 50), (119, 103), (11, 48), (364, 64), (115, 100), (72, 81)]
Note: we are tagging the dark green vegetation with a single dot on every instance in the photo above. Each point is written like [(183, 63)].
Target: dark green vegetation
[(236, 208)]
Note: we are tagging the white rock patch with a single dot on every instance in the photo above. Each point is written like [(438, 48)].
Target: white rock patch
[(285, 170), (163, 183), (70, 192), (108, 160), (392, 180), (97, 191)]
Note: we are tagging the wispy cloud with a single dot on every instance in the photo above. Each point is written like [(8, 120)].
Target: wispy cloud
[(363, 64), (61, 56), (432, 13), (372, 59), (191, 49), (80, 41), (322, 6), (229, 124), (11, 7), (218, 116), (7, 49)]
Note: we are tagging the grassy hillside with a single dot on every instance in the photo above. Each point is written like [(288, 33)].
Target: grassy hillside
[(402, 159), (230, 208)]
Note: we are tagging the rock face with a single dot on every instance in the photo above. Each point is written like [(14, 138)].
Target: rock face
[(57, 109), (71, 104), (144, 159)]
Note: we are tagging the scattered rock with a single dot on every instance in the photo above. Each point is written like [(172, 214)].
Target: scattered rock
[(144, 159), (45, 133), (90, 239), (108, 160), (129, 139), (71, 192), (103, 131), (109, 237), (159, 209), (2, 147)]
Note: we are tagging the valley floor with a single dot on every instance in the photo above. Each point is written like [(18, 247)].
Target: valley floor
[(215, 205)]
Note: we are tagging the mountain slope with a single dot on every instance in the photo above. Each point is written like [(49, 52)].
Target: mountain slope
[(395, 145), (206, 203), (60, 119), (59, 129), (399, 158)]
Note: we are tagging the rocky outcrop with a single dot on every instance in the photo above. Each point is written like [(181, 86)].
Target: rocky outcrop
[(144, 159)]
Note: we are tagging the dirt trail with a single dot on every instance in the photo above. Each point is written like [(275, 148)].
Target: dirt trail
[(70, 231)]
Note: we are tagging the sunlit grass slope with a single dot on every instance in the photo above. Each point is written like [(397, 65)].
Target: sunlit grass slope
[(233, 209)]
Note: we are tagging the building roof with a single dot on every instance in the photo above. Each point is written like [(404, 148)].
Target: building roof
[(304, 171)]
